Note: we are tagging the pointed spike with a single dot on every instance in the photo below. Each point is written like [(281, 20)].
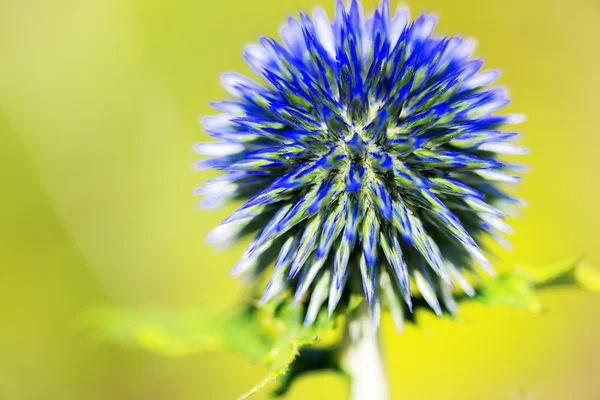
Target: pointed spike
[(218, 149), (375, 312), (378, 128), (448, 185), (367, 273), (332, 227), (370, 237), (245, 214), (275, 287), (294, 214), (286, 254), (335, 293), (354, 177), (393, 253), (401, 220), (405, 177), (382, 198), (482, 207), (392, 300), (461, 279), (498, 176), (282, 187), (447, 298), (481, 79), (278, 282), (318, 297), (497, 223), (324, 31), (328, 191), (451, 224), (382, 160), (352, 219), (249, 262), (268, 231), (307, 277), (428, 249), (307, 244), (342, 255), (427, 288), (223, 236), (356, 146), (453, 159)]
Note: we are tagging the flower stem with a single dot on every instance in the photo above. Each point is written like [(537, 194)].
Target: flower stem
[(363, 360)]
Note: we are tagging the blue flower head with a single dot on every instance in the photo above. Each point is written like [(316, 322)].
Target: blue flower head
[(367, 157)]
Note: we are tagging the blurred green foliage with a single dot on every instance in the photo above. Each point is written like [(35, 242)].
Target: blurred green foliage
[(276, 335)]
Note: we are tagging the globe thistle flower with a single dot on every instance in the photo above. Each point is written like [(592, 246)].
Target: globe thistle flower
[(367, 156)]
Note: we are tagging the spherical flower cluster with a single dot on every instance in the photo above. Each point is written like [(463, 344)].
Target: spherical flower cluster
[(367, 158)]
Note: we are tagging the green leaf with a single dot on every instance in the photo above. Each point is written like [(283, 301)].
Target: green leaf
[(509, 289), (518, 287), (177, 334), (572, 273), (271, 335)]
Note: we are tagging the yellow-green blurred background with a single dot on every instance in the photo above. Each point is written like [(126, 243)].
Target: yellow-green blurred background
[(99, 102)]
